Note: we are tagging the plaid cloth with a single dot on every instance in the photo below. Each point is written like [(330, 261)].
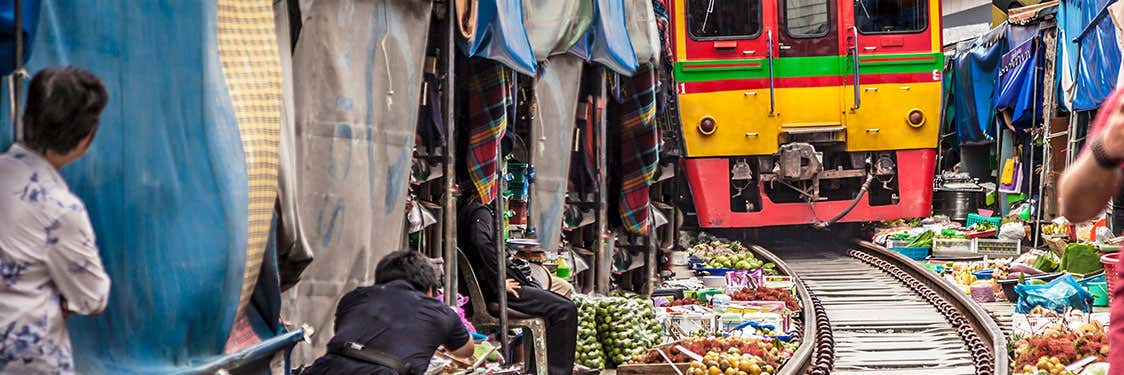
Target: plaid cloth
[(639, 147), (489, 93)]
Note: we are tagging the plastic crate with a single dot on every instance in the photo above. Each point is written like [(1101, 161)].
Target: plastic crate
[(953, 247), (915, 253), (977, 219), (997, 248)]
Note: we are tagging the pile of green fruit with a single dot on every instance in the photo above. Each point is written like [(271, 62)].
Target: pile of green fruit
[(739, 261), (590, 353), (611, 330)]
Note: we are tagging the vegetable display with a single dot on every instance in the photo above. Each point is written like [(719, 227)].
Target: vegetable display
[(729, 255)]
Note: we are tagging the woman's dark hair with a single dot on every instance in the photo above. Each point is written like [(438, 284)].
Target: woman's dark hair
[(409, 266), (63, 106)]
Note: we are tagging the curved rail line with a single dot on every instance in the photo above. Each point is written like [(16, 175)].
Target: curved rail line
[(869, 310)]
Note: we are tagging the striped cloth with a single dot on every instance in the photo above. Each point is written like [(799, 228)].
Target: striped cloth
[(489, 93), (639, 147)]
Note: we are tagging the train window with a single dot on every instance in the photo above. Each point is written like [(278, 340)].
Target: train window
[(724, 19), (891, 16), (807, 18)]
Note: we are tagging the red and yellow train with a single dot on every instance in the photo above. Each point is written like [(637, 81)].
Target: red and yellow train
[(808, 111)]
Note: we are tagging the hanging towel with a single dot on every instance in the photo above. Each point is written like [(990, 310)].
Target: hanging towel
[(639, 150), (489, 91)]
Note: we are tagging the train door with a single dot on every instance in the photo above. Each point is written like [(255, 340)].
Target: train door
[(895, 45), (722, 69), (808, 74)]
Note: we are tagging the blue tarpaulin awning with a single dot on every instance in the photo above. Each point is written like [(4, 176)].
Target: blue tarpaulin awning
[(1088, 67)]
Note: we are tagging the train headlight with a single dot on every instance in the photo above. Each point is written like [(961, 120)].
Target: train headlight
[(915, 118), (708, 126)]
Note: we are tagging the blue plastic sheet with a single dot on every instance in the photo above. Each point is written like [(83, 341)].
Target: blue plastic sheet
[(610, 44), (1058, 294), (977, 71), (1087, 70), (1018, 84), (501, 36), (7, 36), (164, 181)]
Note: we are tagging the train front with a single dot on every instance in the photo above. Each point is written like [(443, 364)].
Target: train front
[(808, 111)]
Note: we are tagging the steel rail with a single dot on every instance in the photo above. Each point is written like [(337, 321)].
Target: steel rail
[(983, 336)]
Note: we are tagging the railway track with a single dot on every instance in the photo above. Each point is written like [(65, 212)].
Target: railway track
[(869, 310)]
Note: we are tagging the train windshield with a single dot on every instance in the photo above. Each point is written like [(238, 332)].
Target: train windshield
[(891, 16), (724, 19), (806, 18)]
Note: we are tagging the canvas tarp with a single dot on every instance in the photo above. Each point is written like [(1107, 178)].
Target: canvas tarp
[(180, 180), (552, 133), (358, 65), (976, 74), (1088, 70)]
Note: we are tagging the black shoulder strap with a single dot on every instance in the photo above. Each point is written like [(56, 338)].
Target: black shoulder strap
[(364, 354)]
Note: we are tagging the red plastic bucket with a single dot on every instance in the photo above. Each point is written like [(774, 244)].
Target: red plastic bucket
[(1110, 261)]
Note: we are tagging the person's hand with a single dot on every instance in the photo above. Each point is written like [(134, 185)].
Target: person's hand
[(513, 287), (1112, 137)]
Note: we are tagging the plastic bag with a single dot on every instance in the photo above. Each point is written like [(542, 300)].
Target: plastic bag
[(461, 301), (1057, 295), (1081, 258), (1012, 231)]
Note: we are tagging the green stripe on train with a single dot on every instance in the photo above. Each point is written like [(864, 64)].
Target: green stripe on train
[(796, 67)]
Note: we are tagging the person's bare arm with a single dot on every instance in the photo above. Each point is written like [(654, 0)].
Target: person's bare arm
[(1085, 187), (466, 350)]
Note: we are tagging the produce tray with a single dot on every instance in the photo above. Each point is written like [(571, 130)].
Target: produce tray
[(713, 271), (994, 247), (652, 369), (978, 219), (953, 247)]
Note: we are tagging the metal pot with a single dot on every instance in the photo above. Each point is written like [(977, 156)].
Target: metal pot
[(957, 203)]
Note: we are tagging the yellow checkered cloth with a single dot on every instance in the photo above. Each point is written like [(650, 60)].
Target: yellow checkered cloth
[(252, 68)]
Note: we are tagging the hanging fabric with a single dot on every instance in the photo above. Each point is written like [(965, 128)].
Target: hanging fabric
[(1093, 63), (359, 67), (1018, 84), (493, 29), (29, 24), (642, 31), (431, 130), (977, 70), (610, 44), (639, 148), (552, 133), (489, 92), (554, 26), (183, 219)]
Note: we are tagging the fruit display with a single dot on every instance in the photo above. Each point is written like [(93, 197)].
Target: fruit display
[(729, 255), (686, 302), (626, 327), (732, 362), (767, 354), (590, 353), (1050, 351), (767, 294)]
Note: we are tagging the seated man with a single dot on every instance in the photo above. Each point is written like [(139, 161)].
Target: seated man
[(396, 320), (477, 239)]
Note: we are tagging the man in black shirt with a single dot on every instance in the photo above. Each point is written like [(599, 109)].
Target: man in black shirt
[(397, 318), (477, 238)]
